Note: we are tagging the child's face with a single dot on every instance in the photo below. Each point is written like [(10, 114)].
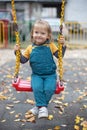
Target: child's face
[(40, 34)]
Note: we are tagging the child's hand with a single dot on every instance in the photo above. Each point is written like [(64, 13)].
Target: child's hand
[(16, 47), (61, 40)]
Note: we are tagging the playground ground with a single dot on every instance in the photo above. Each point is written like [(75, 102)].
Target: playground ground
[(68, 109)]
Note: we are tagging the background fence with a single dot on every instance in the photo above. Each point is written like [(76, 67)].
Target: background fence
[(75, 33)]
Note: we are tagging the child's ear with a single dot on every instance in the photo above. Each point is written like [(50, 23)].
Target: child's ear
[(48, 37)]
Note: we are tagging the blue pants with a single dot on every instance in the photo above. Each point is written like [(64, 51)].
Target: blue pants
[(43, 88)]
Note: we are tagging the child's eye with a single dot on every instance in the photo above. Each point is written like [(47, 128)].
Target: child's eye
[(43, 33), (36, 31)]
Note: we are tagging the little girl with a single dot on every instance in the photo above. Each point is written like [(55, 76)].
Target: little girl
[(40, 56)]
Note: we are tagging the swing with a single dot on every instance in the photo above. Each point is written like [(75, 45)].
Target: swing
[(24, 85)]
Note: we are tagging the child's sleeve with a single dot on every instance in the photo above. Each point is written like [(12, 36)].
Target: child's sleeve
[(26, 55), (27, 52), (54, 50)]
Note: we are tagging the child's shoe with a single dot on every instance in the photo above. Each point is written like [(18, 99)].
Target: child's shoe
[(34, 110), (43, 112)]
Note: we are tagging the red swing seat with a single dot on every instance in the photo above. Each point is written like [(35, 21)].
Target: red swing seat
[(24, 85)]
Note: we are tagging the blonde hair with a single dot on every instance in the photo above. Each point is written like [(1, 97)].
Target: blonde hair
[(43, 23)]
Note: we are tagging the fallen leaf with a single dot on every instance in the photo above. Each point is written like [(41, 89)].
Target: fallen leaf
[(50, 117), (32, 119), (60, 108), (65, 104), (57, 128), (57, 102), (30, 101), (8, 108), (29, 116), (9, 76), (18, 115), (76, 127), (2, 97), (60, 112), (17, 120), (84, 124), (84, 106), (22, 124), (12, 112), (23, 120), (84, 128), (3, 121), (64, 125), (16, 102), (10, 105), (78, 119), (60, 98)]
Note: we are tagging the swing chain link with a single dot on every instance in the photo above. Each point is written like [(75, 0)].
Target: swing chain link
[(60, 61), (17, 65)]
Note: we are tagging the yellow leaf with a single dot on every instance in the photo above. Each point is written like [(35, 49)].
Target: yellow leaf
[(65, 104), (82, 119), (56, 101), (29, 116), (61, 98), (84, 128), (50, 117), (2, 97), (23, 120), (9, 76), (30, 101), (32, 119), (85, 106), (18, 115), (84, 124), (57, 128), (77, 120), (78, 117), (79, 98), (76, 127)]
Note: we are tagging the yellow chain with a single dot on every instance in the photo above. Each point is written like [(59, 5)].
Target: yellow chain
[(60, 61), (17, 66)]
